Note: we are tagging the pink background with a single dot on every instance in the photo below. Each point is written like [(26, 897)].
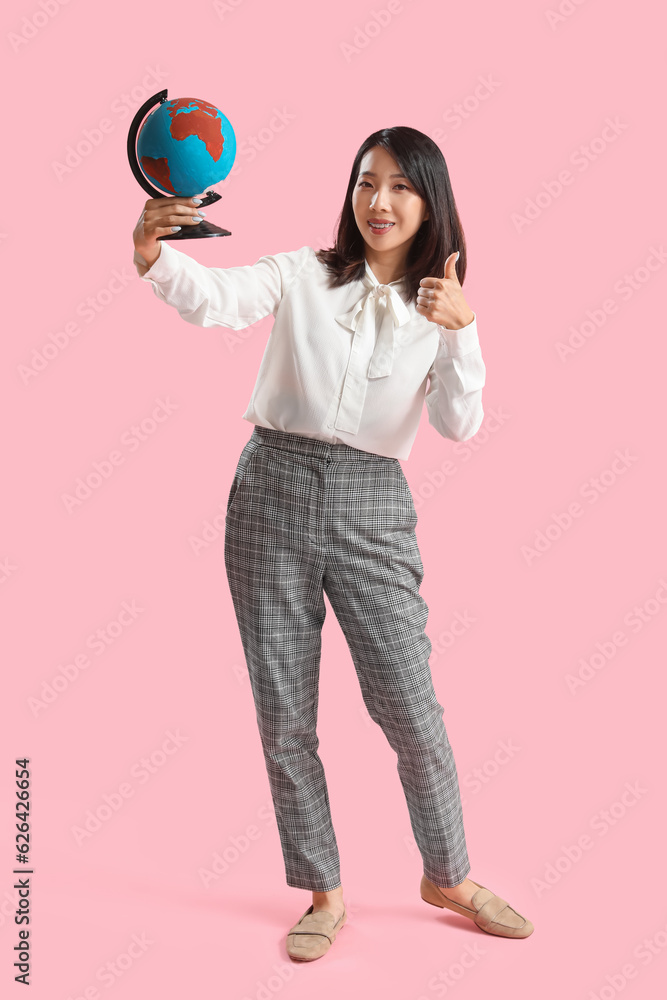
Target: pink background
[(513, 101)]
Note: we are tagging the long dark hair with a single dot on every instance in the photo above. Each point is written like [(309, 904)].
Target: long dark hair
[(422, 162)]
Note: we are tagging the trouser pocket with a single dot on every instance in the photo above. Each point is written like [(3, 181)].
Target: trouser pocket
[(242, 469)]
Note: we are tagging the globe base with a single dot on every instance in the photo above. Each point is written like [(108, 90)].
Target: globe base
[(202, 230)]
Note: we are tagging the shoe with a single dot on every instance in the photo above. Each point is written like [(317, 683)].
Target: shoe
[(313, 934), (491, 913)]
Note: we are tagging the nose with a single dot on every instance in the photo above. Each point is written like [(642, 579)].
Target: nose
[(380, 199)]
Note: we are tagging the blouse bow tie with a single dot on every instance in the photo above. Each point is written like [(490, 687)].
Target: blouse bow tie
[(383, 301)]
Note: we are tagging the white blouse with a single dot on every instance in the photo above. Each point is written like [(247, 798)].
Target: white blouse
[(347, 364)]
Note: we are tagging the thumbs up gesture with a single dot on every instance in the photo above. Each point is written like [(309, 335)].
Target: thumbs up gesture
[(441, 299)]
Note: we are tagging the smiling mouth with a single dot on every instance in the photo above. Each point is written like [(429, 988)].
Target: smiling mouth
[(380, 226)]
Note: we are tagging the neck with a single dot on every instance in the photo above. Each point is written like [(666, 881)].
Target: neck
[(387, 265)]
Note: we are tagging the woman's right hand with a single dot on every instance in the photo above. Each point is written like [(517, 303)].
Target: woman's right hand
[(157, 219)]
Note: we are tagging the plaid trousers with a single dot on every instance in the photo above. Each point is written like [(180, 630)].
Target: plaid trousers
[(305, 516)]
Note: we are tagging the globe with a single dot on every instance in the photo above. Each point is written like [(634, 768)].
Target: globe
[(185, 145)]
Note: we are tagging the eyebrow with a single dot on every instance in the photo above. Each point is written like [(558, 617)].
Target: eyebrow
[(369, 173)]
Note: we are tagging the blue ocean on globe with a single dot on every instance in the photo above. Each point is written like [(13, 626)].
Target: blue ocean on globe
[(185, 146)]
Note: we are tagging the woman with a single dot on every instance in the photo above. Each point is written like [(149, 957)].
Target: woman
[(319, 501)]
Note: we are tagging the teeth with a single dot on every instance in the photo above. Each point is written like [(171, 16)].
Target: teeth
[(380, 225)]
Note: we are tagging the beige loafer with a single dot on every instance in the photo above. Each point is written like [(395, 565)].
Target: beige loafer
[(312, 935), (491, 913)]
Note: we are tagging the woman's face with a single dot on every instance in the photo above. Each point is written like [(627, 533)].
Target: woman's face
[(380, 197)]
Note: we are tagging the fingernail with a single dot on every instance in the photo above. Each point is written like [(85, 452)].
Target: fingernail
[(175, 229), (196, 201), (458, 254)]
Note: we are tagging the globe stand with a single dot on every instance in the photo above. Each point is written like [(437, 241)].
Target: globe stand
[(203, 229)]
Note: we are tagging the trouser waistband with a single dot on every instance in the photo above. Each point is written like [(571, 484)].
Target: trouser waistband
[(314, 446)]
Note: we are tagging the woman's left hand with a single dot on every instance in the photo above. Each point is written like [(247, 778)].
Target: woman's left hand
[(441, 299)]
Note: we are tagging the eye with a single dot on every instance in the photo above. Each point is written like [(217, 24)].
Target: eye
[(361, 184)]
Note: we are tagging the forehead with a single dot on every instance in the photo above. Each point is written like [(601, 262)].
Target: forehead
[(378, 161)]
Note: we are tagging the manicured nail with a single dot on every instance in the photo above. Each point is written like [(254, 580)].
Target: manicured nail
[(458, 254), (196, 201), (175, 229)]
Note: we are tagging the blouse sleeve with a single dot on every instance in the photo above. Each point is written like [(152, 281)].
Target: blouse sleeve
[(234, 297), (456, 378)]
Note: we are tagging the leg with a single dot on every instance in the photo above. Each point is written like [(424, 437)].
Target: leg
[(275, 579), (373, 574)]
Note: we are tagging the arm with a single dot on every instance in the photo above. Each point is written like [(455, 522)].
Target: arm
[(456, 378), (234, 297)]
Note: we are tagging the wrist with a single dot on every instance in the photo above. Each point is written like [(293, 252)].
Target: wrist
[(145, 257), (465, 319)]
